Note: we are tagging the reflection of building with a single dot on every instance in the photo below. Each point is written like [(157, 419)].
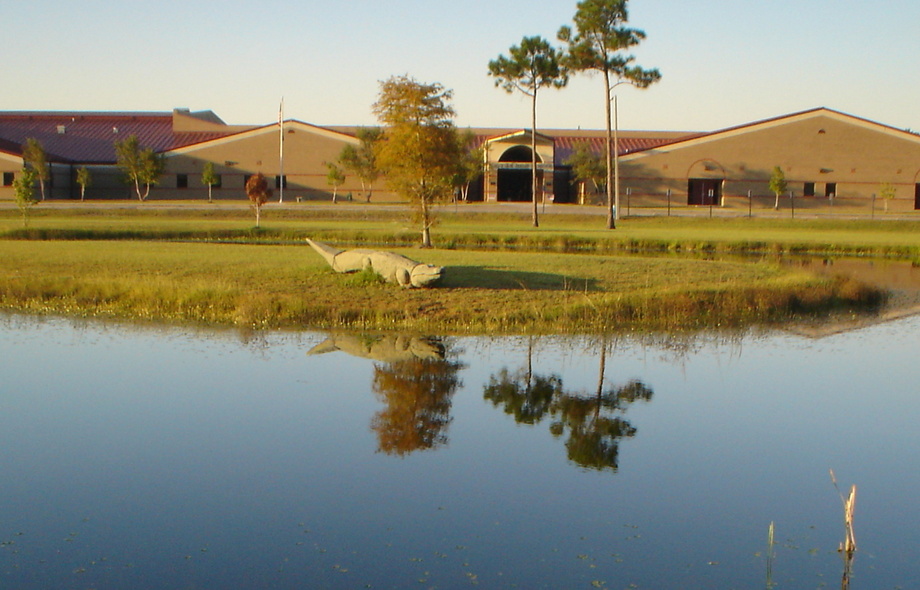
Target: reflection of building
[(824, 155)]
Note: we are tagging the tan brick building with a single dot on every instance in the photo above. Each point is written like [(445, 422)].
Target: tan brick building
[(826, 156)]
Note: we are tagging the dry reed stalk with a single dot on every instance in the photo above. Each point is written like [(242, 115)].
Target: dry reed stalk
[(770, 556), (849, 507)]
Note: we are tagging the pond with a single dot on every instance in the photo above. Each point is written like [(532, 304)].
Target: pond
[(159, 457)]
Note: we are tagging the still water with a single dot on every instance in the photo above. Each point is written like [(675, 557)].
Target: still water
[(162, 457)]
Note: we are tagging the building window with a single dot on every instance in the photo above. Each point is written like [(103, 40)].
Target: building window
[(830, 190), (279, 180), (8, 178), (181, 180), (809, 190)]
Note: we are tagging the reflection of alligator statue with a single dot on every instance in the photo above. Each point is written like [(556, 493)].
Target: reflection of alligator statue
[(386, 348), (394, 268)]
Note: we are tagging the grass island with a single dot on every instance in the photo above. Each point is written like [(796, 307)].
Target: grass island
[(197, 264)]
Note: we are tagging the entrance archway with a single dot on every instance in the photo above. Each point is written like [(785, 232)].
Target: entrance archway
[(704, 182), (518, 153), (515, 182)]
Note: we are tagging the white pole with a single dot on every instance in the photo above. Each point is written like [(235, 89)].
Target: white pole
[(616, 161), (281, 151)]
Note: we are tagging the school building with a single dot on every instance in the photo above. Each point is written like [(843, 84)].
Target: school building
[(826, 156)]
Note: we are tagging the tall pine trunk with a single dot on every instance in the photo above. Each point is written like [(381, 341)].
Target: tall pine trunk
[(533, 157), (608, 152)]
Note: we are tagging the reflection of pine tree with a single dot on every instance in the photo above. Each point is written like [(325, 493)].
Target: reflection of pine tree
[(594, 423), (594, 426), (417, 394), (527, 399)]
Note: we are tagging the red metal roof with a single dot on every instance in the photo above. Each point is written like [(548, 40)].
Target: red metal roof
[(566, 145), (89, 138)]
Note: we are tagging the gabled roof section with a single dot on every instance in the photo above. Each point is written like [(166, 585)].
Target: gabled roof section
[(703, 138), (185, 120), (567, 140), (89, 137), (519, 133), (290, 126), (10, 151)]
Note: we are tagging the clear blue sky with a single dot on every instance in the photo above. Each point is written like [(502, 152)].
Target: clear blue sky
[(723, 62)]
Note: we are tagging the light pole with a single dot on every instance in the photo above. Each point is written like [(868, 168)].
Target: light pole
[(616, 151)]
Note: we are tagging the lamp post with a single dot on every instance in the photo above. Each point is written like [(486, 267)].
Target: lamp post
[(616, 152), (616, 159)]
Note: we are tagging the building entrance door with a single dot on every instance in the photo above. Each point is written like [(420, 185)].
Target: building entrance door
[(704, 191), (516, 184)]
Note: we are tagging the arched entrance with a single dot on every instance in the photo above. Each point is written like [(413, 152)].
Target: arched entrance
[(704, 182), (515, 182)]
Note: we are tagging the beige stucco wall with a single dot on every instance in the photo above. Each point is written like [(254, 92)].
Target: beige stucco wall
[(306, 150), (856, 155), (9, 164)]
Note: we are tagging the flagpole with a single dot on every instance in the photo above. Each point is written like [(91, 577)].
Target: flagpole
[(281, 151)]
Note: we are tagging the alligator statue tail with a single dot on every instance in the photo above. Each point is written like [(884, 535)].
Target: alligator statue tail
[(326, 251)]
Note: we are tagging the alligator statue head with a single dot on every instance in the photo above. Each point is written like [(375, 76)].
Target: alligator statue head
[(425, 275)]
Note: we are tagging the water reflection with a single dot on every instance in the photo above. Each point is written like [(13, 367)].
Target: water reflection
[(888, 274), (242, 470), (415, 378), (389, 348), (593, 421)]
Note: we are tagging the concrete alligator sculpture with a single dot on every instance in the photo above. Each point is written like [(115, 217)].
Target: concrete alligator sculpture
[(394, 268)]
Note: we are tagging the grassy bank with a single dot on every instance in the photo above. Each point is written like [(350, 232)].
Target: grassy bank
[(466, 228), (264, 285)]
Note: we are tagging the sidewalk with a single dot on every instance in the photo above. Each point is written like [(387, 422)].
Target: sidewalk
[(696, 211)]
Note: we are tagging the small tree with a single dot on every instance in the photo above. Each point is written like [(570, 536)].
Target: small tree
[(532, 65), (469, 168), (141, 166), (34, 156), (84, 179), (778, 184), (586, 167), (419, 152), (887, 192), (335, 178), (209, 178), (24, 192), (258, 192), (362, 160)]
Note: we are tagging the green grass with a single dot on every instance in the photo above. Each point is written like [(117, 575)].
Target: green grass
[(569, 275), (468, 229), (258, 285)]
